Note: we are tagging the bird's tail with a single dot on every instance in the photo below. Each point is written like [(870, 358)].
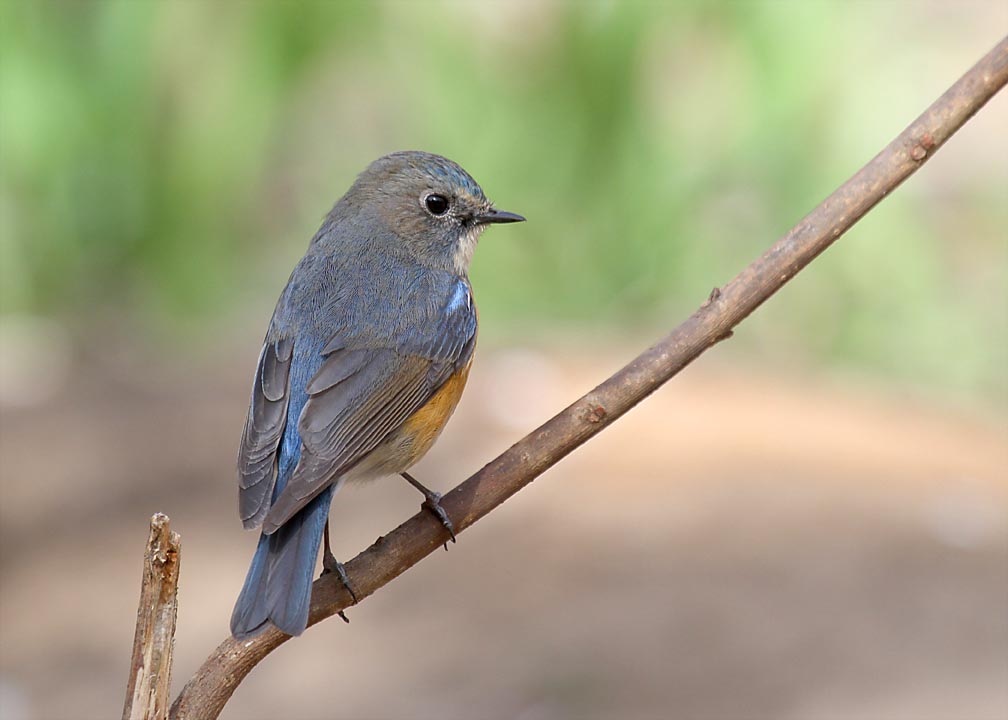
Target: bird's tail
[(278, 585)]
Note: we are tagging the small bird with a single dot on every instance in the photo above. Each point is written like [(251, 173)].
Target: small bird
[(364, 361)]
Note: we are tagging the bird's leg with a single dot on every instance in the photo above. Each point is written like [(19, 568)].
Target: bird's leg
[(432, 503), (331, 565)]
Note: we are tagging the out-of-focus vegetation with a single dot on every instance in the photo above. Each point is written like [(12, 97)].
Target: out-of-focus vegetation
[(169, 161)]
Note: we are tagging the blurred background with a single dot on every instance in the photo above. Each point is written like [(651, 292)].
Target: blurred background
[(811, 522)]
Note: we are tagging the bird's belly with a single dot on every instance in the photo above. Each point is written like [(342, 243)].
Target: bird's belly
[(406, 445)]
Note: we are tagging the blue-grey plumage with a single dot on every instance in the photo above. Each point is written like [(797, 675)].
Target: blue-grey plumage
[(364, 361)]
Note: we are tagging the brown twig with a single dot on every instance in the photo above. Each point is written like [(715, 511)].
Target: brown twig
[(153, 642), (206, 693)]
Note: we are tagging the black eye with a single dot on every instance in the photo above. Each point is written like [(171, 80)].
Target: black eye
[(436, 204)]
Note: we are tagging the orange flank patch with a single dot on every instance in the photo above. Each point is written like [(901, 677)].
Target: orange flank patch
[(426, 424)]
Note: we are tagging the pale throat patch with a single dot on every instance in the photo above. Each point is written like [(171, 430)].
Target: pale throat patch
[(466, 247)]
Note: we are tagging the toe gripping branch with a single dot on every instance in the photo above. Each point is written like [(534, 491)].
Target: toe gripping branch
[(432, 504)]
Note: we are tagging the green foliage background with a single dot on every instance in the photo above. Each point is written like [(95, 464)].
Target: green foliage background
[(169, 161)]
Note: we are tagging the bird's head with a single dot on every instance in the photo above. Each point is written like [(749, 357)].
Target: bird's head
[(433, 207)]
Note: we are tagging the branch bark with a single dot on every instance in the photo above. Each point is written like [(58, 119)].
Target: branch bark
[(206, 693), (154, 640)]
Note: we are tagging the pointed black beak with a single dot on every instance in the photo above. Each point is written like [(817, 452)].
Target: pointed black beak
[(498, 216)]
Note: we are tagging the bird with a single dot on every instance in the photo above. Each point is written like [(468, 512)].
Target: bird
[(365, 359)]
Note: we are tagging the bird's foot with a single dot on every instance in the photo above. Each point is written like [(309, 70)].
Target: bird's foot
[(432, 504), (331, 565)]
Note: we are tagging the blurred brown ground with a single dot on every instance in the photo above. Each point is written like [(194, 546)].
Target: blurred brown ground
[(740, 546)]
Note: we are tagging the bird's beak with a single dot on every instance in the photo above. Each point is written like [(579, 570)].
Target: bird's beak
[(498, 216)]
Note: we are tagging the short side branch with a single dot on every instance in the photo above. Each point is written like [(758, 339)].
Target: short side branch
[(150, 666), (205, 694)]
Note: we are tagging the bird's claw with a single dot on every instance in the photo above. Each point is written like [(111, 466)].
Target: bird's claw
[(433, 504), (331, 565)]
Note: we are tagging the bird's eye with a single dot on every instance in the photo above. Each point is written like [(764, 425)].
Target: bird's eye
[(436, 204)]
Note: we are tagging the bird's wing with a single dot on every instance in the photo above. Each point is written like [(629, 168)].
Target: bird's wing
[(264, 426), (359, 395)]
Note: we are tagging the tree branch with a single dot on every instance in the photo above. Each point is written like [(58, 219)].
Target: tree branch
[(153, 642), (206, 693)]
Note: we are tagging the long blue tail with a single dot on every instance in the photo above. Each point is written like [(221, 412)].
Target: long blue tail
[(278, 585)]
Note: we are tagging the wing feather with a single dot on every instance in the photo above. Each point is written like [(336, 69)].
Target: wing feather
[(336, 370), (264, 428), (343, 423)]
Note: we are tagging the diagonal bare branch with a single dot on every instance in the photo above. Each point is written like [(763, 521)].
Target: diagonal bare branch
[(206, 693)]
